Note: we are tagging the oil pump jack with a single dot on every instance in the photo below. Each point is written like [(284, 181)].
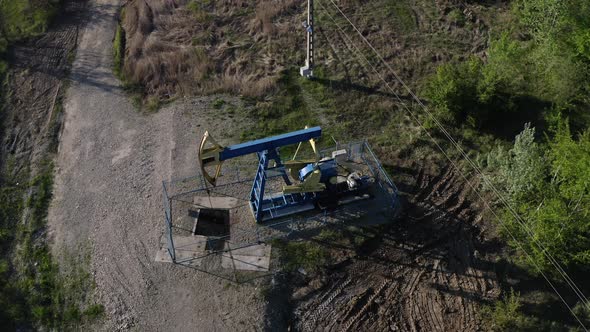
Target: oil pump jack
[(321, 183)]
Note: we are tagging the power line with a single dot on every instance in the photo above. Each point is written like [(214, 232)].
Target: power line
[(547, 254), (551, 259)]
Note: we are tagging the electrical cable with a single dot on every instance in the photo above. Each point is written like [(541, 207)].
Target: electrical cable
[(566, 277), (519, 219)]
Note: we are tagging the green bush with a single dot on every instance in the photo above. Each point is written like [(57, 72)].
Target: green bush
[(26, 18), (119, 52), (453, 92), (521, 170), (505, 315), (582, 310), (550, 192)]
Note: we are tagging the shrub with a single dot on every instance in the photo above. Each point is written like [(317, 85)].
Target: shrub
[(505, 315), (218, 103), (119, 51), (452, 91)]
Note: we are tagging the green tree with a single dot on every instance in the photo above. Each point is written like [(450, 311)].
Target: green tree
[(550, 193), (452, 91), (522, 169), (570, 163), (544, 60)]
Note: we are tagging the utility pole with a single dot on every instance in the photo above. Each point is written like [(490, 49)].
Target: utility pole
[(307, 70)]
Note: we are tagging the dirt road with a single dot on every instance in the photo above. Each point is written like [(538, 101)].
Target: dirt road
[(110, 165)]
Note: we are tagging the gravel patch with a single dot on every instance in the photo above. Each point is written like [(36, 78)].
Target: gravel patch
[(111, 163)]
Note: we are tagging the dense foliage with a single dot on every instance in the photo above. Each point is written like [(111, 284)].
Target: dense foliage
[(537, 67), (537, 70), (548, 187)]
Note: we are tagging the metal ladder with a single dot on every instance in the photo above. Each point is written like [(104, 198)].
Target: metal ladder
[(257, 194)]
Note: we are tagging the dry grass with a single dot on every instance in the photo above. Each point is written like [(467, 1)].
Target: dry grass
[(184, 47), (177, 47)]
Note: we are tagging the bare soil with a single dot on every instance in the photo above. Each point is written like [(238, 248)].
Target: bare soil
[(36, 81), (429, 271)]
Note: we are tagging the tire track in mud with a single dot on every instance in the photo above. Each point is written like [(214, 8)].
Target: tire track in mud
[(437, 283)]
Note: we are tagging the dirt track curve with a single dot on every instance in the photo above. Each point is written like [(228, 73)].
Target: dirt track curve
[(110, 165)]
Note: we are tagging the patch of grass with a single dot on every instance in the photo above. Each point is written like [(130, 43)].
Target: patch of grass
[(13, 309), (199, 10), (119, 52), (265, 291), (3, 68), (456, 16), (153, 103), (39, 200), (307, 255), (401, 12), (26, 18), (34, 293), (329, 235), (136, 91), (94, 311), (284, 112), (218, 103)]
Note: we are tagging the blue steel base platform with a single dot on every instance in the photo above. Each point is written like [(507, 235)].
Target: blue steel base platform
[(278, 205)]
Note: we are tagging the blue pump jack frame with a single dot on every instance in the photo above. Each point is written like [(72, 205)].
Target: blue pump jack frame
[(270, 143), (266, 149)]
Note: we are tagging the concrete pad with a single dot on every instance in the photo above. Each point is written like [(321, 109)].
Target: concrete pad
[(212, 202), (162, 255), (245, 263), (258, 250), (251, 258), (186, 248), (194, 244)]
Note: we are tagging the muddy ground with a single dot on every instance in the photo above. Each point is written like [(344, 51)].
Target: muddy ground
[(430, 270)]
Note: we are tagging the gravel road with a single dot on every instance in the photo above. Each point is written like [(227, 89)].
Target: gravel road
[(110, 165)]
